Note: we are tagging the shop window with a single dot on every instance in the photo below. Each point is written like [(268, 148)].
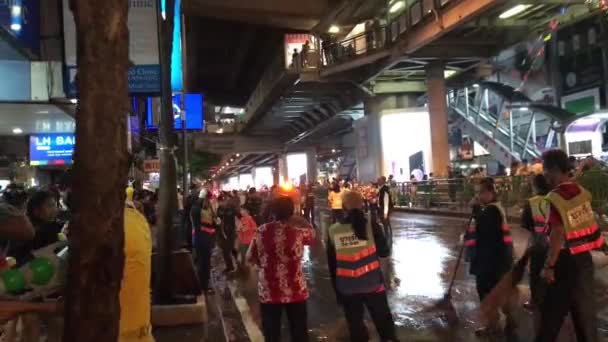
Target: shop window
[(427, 6), (580, 147), (394, 30), (416, 13)]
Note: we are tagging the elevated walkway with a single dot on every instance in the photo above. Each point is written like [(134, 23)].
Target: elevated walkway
[(409, 35), (291, 104)]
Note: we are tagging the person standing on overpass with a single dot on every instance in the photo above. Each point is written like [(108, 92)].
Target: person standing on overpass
[(568, 270)]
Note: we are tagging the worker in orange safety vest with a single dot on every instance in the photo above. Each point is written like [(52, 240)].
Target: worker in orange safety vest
[(568, 269)]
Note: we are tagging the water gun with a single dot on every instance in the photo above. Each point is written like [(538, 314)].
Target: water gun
[(43, 275)]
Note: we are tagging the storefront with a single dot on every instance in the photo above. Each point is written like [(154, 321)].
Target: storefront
[(262, 176)]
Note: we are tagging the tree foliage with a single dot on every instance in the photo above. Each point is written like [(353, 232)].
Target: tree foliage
[(201, 162)]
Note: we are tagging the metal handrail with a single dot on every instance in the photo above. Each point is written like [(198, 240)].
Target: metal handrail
[(363, 43), (384, 36)]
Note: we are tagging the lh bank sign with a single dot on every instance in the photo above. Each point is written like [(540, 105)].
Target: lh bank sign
[(51, 149)]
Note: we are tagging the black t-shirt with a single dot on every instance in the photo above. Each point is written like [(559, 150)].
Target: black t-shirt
[(492, 255)]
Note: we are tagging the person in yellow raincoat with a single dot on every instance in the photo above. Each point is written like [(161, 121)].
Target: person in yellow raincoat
[(134, 295)]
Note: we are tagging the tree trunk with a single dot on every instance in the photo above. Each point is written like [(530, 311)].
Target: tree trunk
[(168, 172), (100, 172)]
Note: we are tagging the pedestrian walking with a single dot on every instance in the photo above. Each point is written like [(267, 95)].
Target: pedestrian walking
[(568, 270), (534, 218), (246, 231), (385, 199), (309, 204), (354, 248), (228, 213), (277, 250), (492, 241), (305, 52), (335, 202), (253, 204), (202, 218)]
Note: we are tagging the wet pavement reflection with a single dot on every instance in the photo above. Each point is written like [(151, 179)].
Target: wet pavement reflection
[(417, 274)]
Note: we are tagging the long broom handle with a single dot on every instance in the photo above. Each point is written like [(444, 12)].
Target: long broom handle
[(460, 253)]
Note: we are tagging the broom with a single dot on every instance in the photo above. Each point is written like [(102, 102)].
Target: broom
[(501, 293), (446, 302)]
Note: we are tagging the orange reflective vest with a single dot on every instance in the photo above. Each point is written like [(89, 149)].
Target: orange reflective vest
[(578, 220), (470, 236), (358, 265)]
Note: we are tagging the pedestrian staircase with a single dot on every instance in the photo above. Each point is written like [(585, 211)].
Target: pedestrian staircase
[(504, 121)]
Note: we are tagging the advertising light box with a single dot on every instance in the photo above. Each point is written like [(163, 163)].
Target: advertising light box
[(52, 149), (193, 106)]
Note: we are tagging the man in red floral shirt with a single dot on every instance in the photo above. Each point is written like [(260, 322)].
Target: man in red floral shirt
[(277, 251)]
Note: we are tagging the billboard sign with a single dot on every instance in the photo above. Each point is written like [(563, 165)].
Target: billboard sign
[(144, 73), (192, 105), (151, 165), (52, 149)]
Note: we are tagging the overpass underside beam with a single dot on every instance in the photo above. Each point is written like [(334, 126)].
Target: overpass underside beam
[(448, 20), (293, 14)]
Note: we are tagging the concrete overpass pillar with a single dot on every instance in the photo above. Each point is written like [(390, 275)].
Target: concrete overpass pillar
[(283, 175), (368, 141), (438, 114), (368, 134), (311, 165)]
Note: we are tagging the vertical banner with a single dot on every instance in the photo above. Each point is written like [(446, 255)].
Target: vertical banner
[(144, 73)]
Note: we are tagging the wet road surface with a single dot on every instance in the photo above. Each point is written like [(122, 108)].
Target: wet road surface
[(417, 274)]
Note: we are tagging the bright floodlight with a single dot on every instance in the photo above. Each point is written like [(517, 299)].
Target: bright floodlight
[(513, 11), (17, 130), (396, 7), (333, 29), (16, 27)]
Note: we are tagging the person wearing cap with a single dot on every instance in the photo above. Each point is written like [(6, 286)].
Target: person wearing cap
[(568, 270), (202, 218), (354, 248)]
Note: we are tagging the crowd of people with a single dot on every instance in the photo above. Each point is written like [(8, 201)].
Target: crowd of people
[(36, 218), (267, 231), (272, 228)]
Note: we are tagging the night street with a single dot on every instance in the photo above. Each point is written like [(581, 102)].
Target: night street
[(425, 251)]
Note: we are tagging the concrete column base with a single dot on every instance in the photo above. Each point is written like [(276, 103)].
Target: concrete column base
[(181, 314)]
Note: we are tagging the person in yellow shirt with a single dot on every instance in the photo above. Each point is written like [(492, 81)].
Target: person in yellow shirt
[(134, 295), (335, 202)]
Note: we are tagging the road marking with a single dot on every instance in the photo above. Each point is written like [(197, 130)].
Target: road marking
[(218, 307), (254, 332)]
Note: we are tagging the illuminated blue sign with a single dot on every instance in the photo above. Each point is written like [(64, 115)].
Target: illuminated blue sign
[(52, 149), (193, 106), (177, 82)]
